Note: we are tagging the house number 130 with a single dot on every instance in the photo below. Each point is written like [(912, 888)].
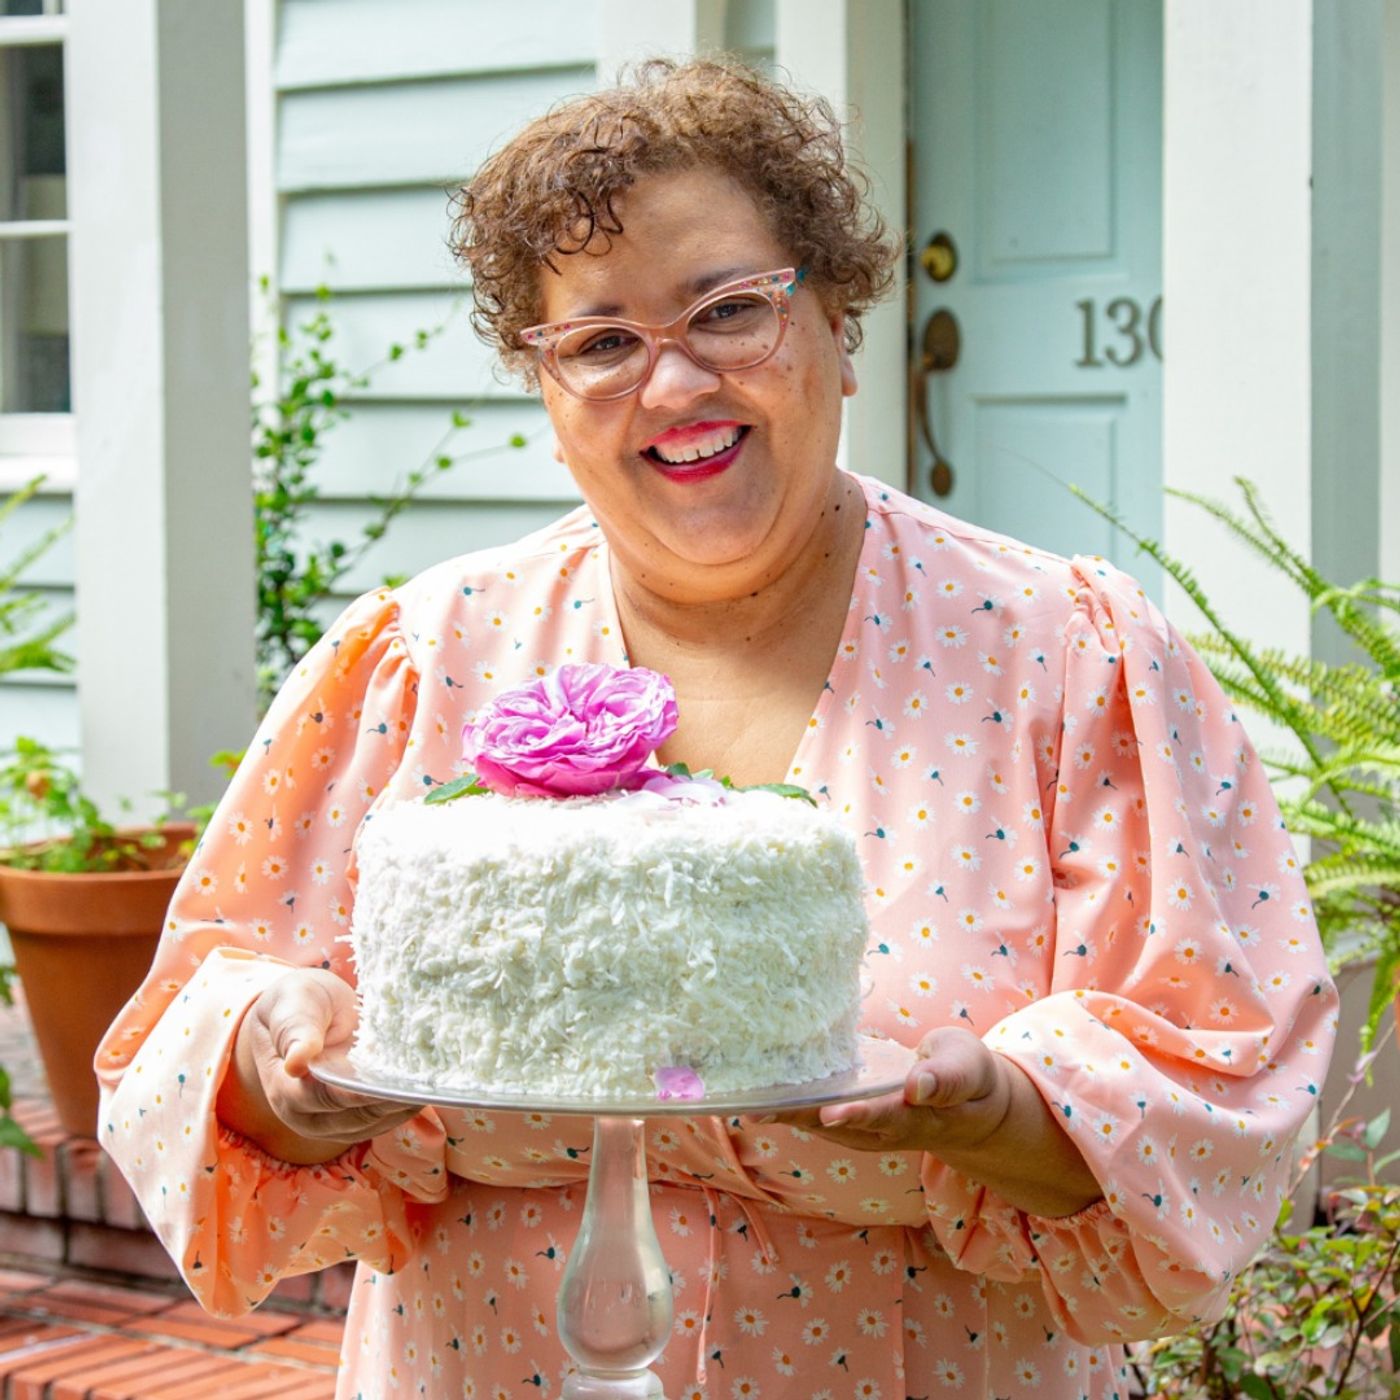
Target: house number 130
[(1128, 334)]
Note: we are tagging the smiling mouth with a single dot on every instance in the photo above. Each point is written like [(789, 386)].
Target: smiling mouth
[(700, 453)]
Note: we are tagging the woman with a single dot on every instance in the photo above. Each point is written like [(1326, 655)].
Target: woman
[(1085, 912)]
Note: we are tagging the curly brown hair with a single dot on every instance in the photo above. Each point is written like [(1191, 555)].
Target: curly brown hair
[(555, 185)]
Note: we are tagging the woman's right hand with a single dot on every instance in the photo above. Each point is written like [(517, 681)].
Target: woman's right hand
[(269, 1094)]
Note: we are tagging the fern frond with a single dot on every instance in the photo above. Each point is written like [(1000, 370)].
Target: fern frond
[(1374, 639), (1334, 874), (1351, 834), (1273, 552), (1371, 591), (1301, 568)]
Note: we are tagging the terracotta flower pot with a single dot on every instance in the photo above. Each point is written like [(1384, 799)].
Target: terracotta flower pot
[(82, 944)]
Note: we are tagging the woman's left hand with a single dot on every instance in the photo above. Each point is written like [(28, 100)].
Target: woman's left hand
[(955, 1097)]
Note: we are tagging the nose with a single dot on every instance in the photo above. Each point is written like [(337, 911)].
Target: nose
[(676, 380)]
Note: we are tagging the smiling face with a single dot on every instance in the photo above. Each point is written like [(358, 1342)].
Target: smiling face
[(735, 517)]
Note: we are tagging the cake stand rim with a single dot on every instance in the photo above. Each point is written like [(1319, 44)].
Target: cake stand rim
[(884, 1067)]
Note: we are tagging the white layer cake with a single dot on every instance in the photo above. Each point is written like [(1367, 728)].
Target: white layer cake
[(574, 947)]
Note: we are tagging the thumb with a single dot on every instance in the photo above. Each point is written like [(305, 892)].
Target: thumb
[(304, 1042), (302, 1012), (298, 1028)]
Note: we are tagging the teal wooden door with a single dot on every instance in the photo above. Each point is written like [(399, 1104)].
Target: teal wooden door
[(1037, 155)]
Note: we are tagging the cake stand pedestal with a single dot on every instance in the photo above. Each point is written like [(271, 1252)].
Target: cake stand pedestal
[(614, 1308)]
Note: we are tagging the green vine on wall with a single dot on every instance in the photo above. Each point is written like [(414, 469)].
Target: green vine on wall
[(313, 392)]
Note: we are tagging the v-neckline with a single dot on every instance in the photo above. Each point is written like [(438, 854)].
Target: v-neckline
[(613, 638)]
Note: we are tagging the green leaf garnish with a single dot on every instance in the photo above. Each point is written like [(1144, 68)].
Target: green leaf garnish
[(468, 785), (681, 770), (784, 790)]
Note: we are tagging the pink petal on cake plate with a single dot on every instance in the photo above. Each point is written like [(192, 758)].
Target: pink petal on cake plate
[(678, 1082)]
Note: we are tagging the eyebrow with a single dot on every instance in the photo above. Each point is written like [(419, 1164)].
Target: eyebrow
[(696, 287)]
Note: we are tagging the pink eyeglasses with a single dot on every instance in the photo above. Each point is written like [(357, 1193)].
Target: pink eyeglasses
[(734, 327)]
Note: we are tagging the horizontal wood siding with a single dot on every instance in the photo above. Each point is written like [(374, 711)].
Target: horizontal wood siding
[(44, 710), (382, 111), (385, 440), (332, 43), (368, 240), (408, 134)]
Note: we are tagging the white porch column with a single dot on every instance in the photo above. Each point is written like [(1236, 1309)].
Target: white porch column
[(159, 281), (1237, 280), (852, 53), (1390, 295)]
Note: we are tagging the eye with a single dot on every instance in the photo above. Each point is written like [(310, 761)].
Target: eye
[(601, 345), (604, 344), (731, 311)]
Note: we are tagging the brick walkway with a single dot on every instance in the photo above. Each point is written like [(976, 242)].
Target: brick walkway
[(72, 1339), (91, 1307)]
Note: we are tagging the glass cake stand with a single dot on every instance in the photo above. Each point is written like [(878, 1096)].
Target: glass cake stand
[(614, 1308)]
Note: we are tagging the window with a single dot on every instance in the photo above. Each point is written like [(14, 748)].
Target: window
[(35, 380)]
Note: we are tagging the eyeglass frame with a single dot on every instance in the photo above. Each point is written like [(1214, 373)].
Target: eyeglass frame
[(776, 286)]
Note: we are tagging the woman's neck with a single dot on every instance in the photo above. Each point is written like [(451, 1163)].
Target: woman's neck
[(768, 616)]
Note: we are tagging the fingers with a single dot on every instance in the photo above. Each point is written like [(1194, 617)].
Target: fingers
[(303, 1013), (954, 1068), (291, 1024), (884, 1115)]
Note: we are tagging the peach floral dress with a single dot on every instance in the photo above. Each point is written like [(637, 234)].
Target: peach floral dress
[(1070, 848)]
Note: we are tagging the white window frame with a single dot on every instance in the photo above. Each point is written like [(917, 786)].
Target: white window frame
[(35, 443)]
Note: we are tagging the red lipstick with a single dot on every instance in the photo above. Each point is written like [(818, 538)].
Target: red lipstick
[(702, 469)]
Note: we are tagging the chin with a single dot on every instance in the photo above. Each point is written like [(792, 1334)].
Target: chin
[(706, 542)]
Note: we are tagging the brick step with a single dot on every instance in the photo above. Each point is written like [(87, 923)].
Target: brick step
[(66, 1338), (71, 1207), (92, 1307)]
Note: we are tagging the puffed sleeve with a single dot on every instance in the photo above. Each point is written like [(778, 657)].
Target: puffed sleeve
[(1190, 1018), (269, 887)]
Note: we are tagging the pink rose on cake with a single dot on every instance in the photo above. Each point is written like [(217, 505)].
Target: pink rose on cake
[(582, 730)]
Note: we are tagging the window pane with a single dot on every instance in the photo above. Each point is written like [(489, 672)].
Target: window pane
[(34, 326), (21, 7), (33, 167)]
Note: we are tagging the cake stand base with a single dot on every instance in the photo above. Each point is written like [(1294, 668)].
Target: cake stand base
[(615, 1307), (614, 1311), (637, 1385)]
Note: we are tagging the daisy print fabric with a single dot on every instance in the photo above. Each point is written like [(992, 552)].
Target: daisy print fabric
[(1070, 849)]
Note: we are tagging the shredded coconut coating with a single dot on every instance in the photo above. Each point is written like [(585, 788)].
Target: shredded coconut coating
[(575, 947)]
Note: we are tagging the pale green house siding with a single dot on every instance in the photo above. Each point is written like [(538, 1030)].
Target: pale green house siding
[(381, 108), (380, 111)]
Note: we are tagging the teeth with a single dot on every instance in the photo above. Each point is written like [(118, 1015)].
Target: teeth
[(701, 447)]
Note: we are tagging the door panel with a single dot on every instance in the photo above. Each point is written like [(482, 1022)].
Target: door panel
[(1037, 149), (1044, 165), (1072, 440)]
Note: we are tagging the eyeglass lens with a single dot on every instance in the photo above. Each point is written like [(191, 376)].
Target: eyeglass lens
[(732, 333)]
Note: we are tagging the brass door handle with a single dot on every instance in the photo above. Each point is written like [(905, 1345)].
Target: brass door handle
[(942, 342)]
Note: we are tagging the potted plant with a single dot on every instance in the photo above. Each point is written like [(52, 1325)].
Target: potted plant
[(27, 643), (84, 903)]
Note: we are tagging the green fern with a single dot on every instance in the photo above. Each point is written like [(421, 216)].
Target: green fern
[(1340, 785), (21, 648)]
